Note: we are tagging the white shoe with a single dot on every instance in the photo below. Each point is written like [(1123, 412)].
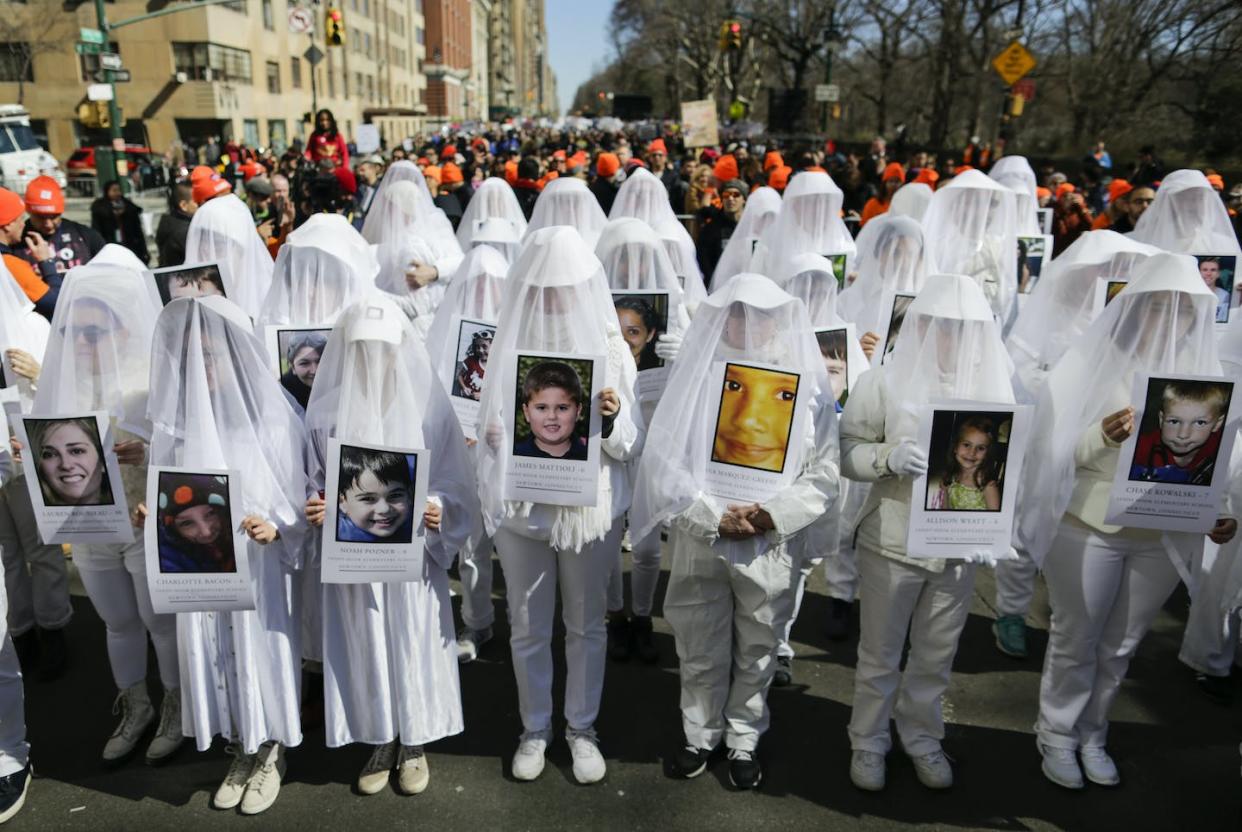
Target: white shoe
[(589, 766), (374, 776), (413, 773), (234, 786), (1061, 766), (1099, 767), (867, 770), (264, 785), (528, 761), (470, 642), (134, 707), (168, 737), (933, 770)]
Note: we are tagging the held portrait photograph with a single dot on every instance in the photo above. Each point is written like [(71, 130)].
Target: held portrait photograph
[(1033, 253), (755, 417), (474, 345), (553, 409), (1179, 438), (643, 317), (375, 500), (1218, 272), (897, 315), (834, 349), (194, 524), (296, 353), (838, 267), (188, 281), (968, 458)]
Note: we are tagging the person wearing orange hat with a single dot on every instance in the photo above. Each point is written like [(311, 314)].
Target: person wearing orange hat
[(526, 184), (778, 178), (72, 243), (928, 177), (725, 169), (432, 174), (1217, 182), (657, 163), (207, 185), (1043, 196), (559, 163), (453, 197), (893, 178), (773, 159), (449, 153), (1118, 205), (41, 286), (511, 172), (1071, 218), (608, 179)]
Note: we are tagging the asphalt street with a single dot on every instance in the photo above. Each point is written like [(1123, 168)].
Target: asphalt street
[(1178, 753)]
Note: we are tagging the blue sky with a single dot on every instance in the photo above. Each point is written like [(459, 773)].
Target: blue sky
[(576, 42)]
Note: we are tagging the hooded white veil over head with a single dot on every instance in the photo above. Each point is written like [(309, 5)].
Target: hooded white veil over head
[(323, 267), (113, 254), (1062, 304), (556, 299), (642, 196), (501, 236), (970, 229), (747, 319), (493, 200), (762, 208), (809, 223), (811, 280), (21, 327), (634, 259), (566, 200), (1187, 217), (911, 200), (892, 257), (223, 231), (99, 354), (682, 254), (475, 293), (1163, 321), (1015, 173)]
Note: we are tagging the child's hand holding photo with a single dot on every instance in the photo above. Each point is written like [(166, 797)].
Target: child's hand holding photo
[(316, 510), (1223, 531), (1118, 426), (431, 516), (259, 530), (609, 403), (131, 452)]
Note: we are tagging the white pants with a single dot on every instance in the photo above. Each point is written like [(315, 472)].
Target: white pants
[(931, 607), (474, 567), (805, 568), (35, 574), (644, 576), (115, 578), (1105, 592), (841, 573), (14, 750), (533, 570), (728, 620), (1211, 636), (1015, 585)]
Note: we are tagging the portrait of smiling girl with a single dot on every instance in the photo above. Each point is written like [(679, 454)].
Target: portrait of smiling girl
[(70, 463), (971, 479)]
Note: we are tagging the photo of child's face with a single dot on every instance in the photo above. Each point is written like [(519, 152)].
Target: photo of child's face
[(1185, 427), (305, 365), (376, 507), (971, 451), (1209, 270), (756, 411), (200, 525), (551, 414), (836, 375), (191, 286), (634, 331), (70, 465)]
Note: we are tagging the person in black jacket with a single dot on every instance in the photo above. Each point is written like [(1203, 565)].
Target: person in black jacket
[(716, 225), (527, 186), (174, 226), (606, 182), (119, 221), (72, 243)]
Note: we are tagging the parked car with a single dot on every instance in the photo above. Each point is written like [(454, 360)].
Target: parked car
[(146, 169), (22, 158)]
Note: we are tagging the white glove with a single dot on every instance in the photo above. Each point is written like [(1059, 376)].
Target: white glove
[(667, 346), (908, 460)]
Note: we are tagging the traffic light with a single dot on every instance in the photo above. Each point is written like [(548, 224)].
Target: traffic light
[(730, 35), (95, 114), (334, 27), (1017, 103)]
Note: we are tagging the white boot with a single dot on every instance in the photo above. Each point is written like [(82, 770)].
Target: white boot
[(168, 737), (134, 707)]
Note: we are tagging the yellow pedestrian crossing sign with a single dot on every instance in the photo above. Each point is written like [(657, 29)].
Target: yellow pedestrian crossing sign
[(1014, 63)]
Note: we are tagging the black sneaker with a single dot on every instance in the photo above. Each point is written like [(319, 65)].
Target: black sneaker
[(744, 770), (619, 639), (55, 654), (783, 677), (1217, 688), (13, 792), (837, 627), (644, 643), (27, 647), (690, 762)]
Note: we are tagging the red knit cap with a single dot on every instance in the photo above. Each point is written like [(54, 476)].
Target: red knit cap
[(726, 168), (11, 206), (607, 164)]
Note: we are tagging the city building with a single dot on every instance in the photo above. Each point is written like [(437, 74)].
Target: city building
[(478, 97), (449, 46)]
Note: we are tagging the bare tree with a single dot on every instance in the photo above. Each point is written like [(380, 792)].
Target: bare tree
[(29, 30)]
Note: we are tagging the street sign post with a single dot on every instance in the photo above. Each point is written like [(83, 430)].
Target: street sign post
[(1026, 89), (94, 36), (115, 76), (99, 92), (88, 48), (313, 55), (827, 93), (109, 60), (1013, 63), (301, 20)]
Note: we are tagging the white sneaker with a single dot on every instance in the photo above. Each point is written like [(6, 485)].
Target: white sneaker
[(470, 642), (168, 737), (234, 786), (528, 761), (413, 773), (1061, 766), (933, 770), (264, 785), (134, 707), (867, 770), (374, 776), (1099, 767), (589, 766)]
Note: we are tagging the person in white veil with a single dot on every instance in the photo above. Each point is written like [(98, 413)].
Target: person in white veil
[(1106, 583), (390, 659), (324, 266), (492, 200), (809, 223), (98, 358), (567, 201), (501, 235), (222, 231), (681, 253), (949, 348), (1187, 217), (475, 294), (892, 258), (732, 584), (911, 200), (970, 229), (1058, 311), (635, 259), (215, 405), (643, 197), (113, 254), (1015, 173), (763, 206), (556, 300), (35, 576)]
